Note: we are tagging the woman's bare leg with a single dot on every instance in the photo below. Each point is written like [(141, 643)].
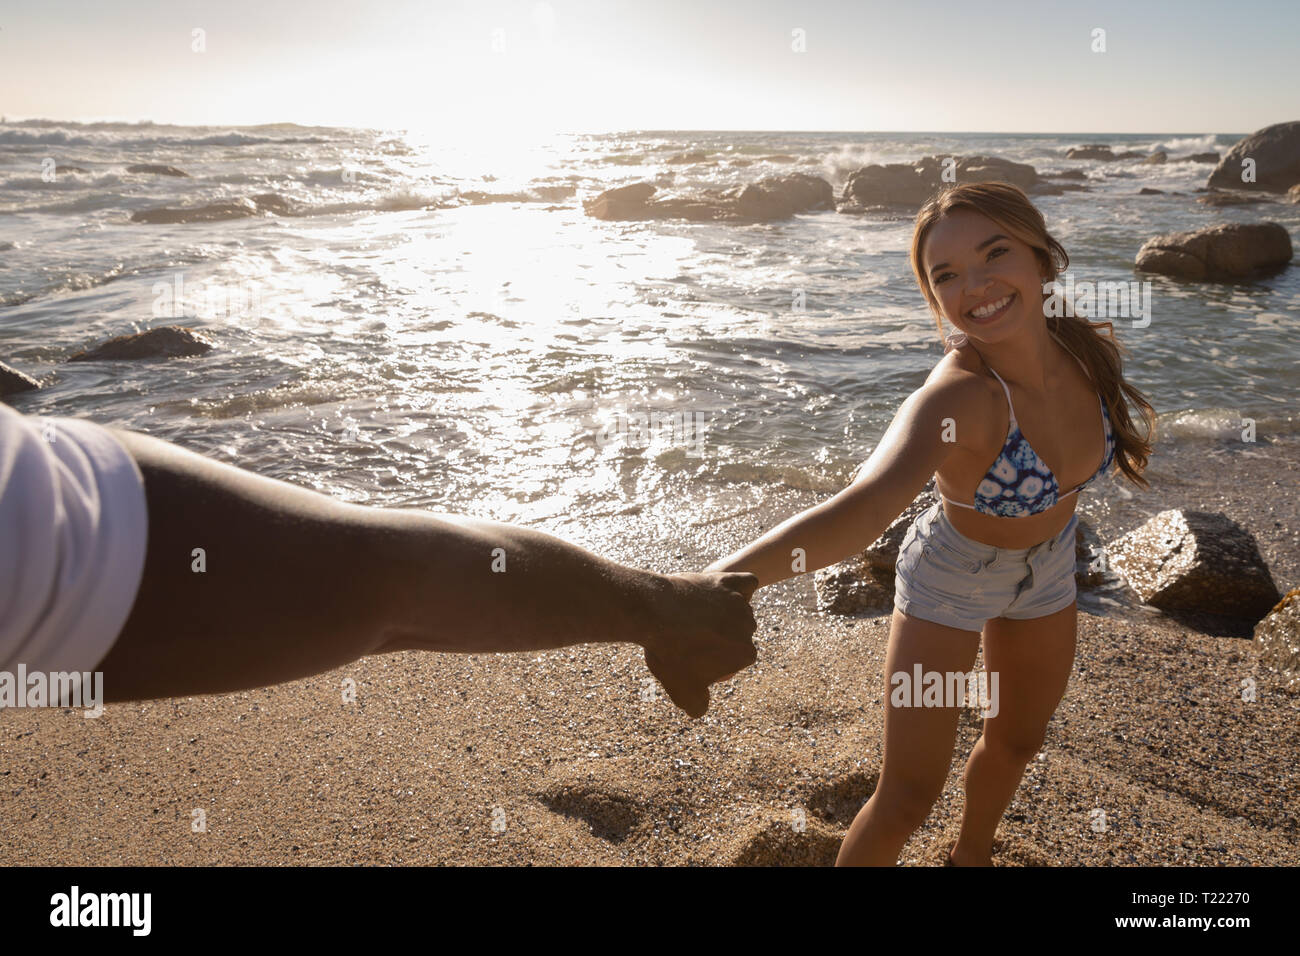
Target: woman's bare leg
[(1033, 660), (918, 743)]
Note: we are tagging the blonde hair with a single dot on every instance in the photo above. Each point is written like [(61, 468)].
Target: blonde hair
[(1011, 209)]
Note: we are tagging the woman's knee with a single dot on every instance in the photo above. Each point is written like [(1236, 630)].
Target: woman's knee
[(905, 807), (1013, 748)]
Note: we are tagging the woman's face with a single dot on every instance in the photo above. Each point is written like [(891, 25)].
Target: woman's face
[(988, 283)]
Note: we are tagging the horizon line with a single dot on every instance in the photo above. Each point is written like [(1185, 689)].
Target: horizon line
[(641, 130)]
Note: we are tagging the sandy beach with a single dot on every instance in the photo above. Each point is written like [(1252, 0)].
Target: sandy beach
[(560, 759), (654, 280)]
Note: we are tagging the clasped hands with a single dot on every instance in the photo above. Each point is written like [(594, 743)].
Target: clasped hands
[(700, 633)]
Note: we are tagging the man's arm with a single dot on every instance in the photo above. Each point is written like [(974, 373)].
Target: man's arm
[(296, 583)]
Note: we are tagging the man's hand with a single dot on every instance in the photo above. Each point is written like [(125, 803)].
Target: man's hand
[(700, 632)]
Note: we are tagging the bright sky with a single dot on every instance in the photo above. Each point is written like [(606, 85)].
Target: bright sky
[(587, 65)]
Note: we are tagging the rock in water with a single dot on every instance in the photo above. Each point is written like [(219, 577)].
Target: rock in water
[(1091, 151), (1225, 251), (1276, 152), (779, 197), (892, 183), (156, 169), (213, 212), (987, 169), (622, 202), (1278, 638), (1158, 158), (13, 381), (274, 202), (1196, 561), (1215, 197), (168, 341), (775, 197), (637, 192), (910, 184)]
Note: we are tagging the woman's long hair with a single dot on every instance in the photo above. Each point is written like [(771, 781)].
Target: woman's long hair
[(1011, 209)]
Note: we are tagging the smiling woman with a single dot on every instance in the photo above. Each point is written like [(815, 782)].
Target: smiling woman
[(982, 256)]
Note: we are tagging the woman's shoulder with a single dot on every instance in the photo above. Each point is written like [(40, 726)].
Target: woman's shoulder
[(961, 383), (961, 364)]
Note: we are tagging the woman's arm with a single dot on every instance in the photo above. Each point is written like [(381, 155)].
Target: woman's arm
[(294, 583), (912, 449)]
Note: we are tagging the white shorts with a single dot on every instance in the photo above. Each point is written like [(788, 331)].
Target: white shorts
[(943, 576)]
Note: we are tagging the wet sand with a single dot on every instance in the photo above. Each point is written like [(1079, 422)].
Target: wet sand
[(556, 758)]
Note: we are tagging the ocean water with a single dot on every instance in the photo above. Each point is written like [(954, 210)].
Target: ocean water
[(444, 328)]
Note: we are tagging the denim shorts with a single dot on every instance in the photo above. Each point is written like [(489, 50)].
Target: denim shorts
[(943, 576)]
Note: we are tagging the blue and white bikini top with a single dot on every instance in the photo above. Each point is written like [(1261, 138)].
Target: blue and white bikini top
[(1019, 483)]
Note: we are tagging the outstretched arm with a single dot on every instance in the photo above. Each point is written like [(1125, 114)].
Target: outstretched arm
[(296, 583), (912, 449)]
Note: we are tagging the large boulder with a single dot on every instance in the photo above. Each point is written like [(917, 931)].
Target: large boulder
[(1276, 152), (168, 341), (1196, 561), (910, 184), (13, 381), (1277, 637), (1226, 251), (779, 197), (1158, 158), (892, 184), (991, 169), (1198, 158)]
